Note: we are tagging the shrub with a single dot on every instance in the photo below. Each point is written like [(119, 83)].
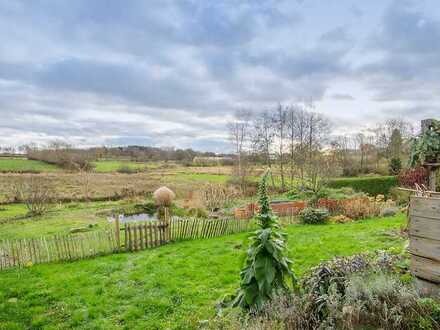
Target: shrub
[(216, 196), (313, 216), (425, 148), (410, 177), (359, 292), (395, 166), (370, 185), (125, 169), (36, 194), (360, 208)]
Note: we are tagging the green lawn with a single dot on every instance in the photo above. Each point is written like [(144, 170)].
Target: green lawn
[(59, 220), (25, 165), (171, 287)]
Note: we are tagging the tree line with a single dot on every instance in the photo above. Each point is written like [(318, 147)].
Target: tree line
[(297, 142)]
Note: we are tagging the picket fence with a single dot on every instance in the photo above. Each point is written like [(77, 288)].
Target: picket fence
[(130, 237)]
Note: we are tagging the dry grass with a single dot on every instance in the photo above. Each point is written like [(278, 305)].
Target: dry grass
[(70, 186)]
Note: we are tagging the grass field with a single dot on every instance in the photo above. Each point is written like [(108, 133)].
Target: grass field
[(171, 287), (20, 165), (107, 166), (59, 220)]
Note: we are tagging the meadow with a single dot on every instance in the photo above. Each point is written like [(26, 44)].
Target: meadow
[(171, 287), (23, 165), (107, 182)]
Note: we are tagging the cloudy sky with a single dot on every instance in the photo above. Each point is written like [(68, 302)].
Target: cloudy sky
[(171, 73)]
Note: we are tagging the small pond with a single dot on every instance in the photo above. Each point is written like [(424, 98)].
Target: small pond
[(134, 218)]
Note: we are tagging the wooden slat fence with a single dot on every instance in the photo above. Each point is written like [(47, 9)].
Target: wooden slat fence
[(136, 236), (27, 251), (194, 228), (144, 235)]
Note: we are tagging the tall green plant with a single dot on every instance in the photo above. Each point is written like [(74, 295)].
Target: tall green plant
[(267, 271), (426, 147)]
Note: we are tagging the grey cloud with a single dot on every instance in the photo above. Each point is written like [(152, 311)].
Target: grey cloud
[(342, 96)]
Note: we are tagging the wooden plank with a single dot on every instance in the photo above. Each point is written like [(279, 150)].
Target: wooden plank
[(135, 238), (147, 235), (424, 227), (425, 268), (425, 247), (141, 236), (117, 233), (425, 207), (125, 237)]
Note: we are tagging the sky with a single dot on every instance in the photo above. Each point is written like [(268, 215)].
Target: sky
[(172, 73)]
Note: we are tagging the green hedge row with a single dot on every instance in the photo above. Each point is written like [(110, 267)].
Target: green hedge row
[(374, 185)]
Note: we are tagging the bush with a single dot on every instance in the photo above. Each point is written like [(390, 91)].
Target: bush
[(125, 169), (360, 208), (395, 166), (370, 185), (36, 194), (313, 216), (359, 292), (412, 176)]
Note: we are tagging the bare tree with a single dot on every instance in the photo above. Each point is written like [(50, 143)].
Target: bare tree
[(36, 194), (263, 138), (239, 135), (280, 123)]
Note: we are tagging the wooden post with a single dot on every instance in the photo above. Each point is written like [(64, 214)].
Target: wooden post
[(117, 233), (166, 215)]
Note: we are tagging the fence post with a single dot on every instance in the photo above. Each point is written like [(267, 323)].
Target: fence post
[(117, 233), (167, 230)]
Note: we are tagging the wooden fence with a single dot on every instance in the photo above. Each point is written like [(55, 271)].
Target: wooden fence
[(135, 236), (28, 251), (144, 235)]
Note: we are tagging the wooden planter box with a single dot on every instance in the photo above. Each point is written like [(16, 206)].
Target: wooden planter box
[(424, 244)]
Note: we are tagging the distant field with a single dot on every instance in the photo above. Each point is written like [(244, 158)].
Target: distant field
[(106, 166), (25, 165), (202, 177), (59, 220)]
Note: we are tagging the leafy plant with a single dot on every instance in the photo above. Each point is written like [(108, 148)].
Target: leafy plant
[(267, 271), (426, 147), (313, 216), (409, 177), (395, 166)]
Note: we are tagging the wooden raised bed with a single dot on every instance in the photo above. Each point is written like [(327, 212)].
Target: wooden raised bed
[(424, 245)]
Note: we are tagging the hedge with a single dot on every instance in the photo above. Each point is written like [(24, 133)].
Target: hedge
[(374, 185)]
